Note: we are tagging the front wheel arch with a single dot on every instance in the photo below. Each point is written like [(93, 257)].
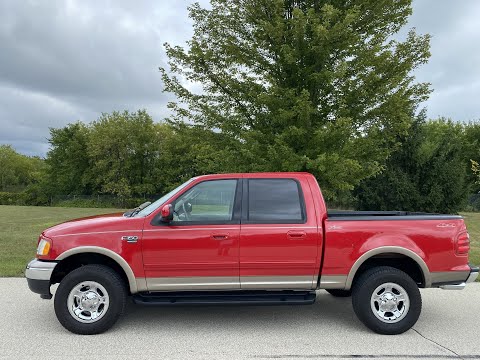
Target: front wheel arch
[(72, 260)]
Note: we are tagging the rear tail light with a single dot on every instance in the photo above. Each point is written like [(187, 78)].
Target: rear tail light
[(462, 244)]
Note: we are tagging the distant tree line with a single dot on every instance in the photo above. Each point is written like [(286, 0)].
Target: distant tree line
[(127, 157), (123, 156), (281, 85), (18, 171), (431, 171)]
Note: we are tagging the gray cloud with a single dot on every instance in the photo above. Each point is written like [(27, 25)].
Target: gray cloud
[(86, 49), (62, 61), (453, 68)]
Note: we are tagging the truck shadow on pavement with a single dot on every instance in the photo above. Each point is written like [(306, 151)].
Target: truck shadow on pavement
[(327, 310)]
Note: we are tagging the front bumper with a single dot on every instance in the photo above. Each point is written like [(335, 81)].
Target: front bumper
[(38, 274), (472, 276)]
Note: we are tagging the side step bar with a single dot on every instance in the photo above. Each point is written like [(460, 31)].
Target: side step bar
[(224, 297)]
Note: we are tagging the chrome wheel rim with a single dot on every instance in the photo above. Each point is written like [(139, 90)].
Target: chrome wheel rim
[(390, 302), (88, 302)]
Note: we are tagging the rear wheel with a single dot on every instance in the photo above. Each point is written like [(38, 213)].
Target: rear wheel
[(90, 299), (339, 293), (386, 300)]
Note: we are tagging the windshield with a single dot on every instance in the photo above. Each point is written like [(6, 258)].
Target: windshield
[(155, 205)]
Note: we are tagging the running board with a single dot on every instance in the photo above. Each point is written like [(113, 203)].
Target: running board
[(224, 297)]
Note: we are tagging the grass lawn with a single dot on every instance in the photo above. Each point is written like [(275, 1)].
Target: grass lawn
[(20, 227)]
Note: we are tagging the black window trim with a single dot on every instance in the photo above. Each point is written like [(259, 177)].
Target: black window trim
[(237, 208), (245, 204)]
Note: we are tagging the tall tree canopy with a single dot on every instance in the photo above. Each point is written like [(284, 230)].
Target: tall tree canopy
[(429, 172), (67, 160), (123, 149), (119, 153), (315, 85)]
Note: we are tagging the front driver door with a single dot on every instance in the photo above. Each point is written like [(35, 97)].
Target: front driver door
[(199, 249)]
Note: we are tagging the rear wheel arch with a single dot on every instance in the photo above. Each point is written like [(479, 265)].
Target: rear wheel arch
[(74, 258), (394, 256)]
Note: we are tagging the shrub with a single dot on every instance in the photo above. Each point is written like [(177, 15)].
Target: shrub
[(11, 198)]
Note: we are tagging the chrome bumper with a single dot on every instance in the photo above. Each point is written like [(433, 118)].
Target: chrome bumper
[(460, 286), (472, 277), (39, 270), (38, 274)]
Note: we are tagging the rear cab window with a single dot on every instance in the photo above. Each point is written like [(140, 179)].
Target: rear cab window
[(273, 201)]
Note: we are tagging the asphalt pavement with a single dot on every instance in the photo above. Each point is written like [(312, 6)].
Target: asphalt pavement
[(447, 329)]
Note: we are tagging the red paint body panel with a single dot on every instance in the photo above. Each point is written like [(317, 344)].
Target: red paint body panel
[(170, 251), (433, 244), (269, 249), (103, 231), (259, 249)]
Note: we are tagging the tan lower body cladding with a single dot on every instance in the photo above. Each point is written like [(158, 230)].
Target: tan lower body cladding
[(333, 281), (340, 281), (307, 282)]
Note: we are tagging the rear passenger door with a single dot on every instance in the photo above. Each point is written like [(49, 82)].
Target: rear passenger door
[(278, 235)]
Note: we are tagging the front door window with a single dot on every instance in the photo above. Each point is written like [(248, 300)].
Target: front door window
[(210, 202)]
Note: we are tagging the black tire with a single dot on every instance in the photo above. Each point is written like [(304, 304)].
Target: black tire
[(109, 280), (364, 288), (339, 293)]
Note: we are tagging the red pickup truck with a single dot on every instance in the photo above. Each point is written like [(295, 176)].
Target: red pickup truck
[(263, 238)]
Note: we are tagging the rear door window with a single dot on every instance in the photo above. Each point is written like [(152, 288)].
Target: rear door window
[(274, 201)]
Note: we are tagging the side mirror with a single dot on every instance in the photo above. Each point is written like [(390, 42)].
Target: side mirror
[(166, 213)]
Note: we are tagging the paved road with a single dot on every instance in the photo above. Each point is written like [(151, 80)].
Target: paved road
[(448, 328)]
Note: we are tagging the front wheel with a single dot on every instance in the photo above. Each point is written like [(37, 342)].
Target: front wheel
[(386, 300), (90, 299)]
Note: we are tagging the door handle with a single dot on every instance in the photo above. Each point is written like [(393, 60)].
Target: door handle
[(296, 235), (219, 236)]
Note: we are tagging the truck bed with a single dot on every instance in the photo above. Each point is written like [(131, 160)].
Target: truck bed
[(386, 215)]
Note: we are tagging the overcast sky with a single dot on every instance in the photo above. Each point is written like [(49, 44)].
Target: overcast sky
[(62, 61)]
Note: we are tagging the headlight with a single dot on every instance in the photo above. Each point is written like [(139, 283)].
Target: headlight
[(43, 247)]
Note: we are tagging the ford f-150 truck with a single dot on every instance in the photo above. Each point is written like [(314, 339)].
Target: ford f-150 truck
[(261, 238)]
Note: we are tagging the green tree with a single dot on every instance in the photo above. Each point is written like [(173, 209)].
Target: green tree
[(476, 170), (8, 174), (17, 170), (123, 151), (472, 153), (299, 84), (189, 151), (67, 161), (427, 173)]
